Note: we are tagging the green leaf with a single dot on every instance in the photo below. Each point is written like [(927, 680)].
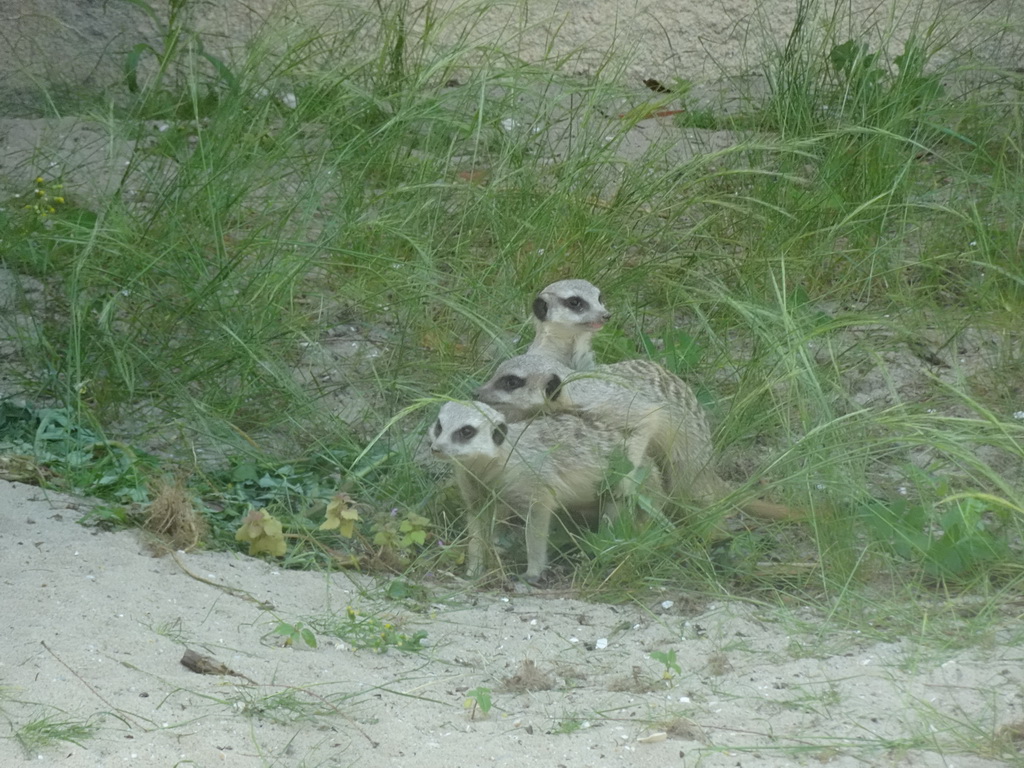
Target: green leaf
[(223, 71), (285, 630), (131, 64), (414, 537), (482, 697), (245, 473)]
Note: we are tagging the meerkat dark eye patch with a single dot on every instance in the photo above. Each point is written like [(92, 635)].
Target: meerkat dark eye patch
[(540, 309), (576, 304), (511, 382), (465, 434), (554, 387), (499, 434)]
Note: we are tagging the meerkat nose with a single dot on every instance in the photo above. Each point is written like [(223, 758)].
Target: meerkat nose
[(607, 315)]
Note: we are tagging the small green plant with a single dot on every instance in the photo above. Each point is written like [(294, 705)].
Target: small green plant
[(368, 632), (400, 535), (570, 724), (478, 699), (957, 543), (668, 658), (77, 457), (179, 42), (295, 634), (45, 199), (286, 706), (341, 516), (51, 730), (872, 92)]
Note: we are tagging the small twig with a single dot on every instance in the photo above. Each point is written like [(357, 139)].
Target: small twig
[(233, 591)]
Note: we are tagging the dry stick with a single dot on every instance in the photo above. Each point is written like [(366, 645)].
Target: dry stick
[(233, 591), (118, 713)]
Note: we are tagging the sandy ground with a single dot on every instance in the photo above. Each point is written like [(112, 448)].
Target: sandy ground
[(95, 627), (70, 44)]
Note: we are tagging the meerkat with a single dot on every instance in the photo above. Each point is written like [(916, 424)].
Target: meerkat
[(658, 410), (566, 315), (532, 470), (667, 420)]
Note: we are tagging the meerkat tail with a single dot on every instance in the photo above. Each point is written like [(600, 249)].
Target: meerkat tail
[(770, 511)]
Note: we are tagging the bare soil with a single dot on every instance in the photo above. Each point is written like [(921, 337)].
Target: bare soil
[(96, 627)]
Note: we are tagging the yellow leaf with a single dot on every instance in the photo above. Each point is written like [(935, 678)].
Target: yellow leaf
[(263, 532), (252, 525), (341, 515)]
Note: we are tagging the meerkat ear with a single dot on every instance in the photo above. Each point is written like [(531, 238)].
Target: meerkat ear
[(540, 308), (553, 388), (499, 433)]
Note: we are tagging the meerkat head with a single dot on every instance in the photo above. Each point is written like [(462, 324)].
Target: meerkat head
[(574, 304), (467, 432), (525, 385)]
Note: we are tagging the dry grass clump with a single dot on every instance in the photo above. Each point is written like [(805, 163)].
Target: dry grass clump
[(637, 682), (172, 517), (686, 729), (1009, 738), (529, 677)]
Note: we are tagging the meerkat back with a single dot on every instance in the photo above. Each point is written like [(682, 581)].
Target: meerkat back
[(658, 410), (526, 385), (655, 383), (566, 315)]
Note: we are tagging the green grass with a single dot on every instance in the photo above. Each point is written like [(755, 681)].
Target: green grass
[(866, 224), (51, 730)]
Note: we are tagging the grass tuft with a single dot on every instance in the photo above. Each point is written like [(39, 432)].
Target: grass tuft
[(51, 731)]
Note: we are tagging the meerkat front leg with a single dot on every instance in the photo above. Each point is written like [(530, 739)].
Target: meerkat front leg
[(476, 549), (488, 532), (538, 529), (643, 478)]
